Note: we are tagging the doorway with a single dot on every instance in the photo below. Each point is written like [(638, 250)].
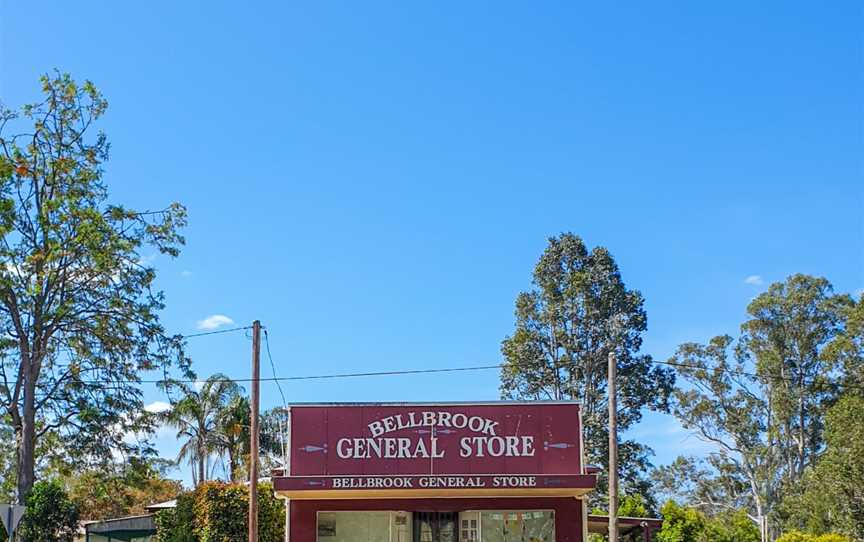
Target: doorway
[(436, 527)]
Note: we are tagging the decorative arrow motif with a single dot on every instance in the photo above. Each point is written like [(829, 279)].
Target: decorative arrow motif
[(436, 431), (312, 449), (313, 483), (553, 482), (558, 445)]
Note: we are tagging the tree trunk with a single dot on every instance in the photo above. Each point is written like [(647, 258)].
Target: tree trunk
[(232, 462), (202, 473), (802, 432), (26, 455)]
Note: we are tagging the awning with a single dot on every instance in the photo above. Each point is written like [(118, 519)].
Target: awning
[(432, 486)]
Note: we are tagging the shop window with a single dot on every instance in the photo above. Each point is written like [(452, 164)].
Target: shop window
[(364, 526), (517, 526), (469, 527)]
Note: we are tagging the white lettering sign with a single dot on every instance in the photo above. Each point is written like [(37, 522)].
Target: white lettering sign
[(478, 424), (433, 482), (487, 443)]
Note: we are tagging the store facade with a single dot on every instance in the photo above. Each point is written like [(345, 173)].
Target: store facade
[(448, 472)]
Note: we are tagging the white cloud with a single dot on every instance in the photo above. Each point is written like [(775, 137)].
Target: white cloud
[(185, 273), (859, 292), (755, 280), (214, 321), (157, 407)]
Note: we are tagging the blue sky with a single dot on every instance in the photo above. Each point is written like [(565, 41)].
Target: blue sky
[(375, 182)]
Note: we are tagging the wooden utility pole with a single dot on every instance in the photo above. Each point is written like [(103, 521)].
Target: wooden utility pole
[(613, 448), (253, 437)]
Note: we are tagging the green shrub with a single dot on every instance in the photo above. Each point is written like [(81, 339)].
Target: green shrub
[(50, 516), (798, 536), (176, 525), (680, 524), (218, 512)]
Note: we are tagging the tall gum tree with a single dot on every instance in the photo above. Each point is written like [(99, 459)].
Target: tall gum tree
[(761, 400), (577, 312), (77, 303)]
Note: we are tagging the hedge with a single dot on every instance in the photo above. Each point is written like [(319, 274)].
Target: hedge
[(797, 536), (218, 512)]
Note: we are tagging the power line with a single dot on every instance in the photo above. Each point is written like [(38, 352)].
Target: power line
[(306, 377), (758, 376), (282, 428), (334, 376), (273, 366), (218, 332)]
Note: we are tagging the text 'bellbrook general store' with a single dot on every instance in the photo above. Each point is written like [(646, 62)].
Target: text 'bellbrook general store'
[(488, 472)]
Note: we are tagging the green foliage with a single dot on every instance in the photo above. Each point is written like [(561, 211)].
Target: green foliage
[(577, 312), (846, 350), (790, 325), (203, 424), (177, 524), (698, 480), (633, 506), (680, 524), (217, 512), (732, 526), (232, 435), (798, 536), (77, 296), (126, 491), (50, 516), (761, 400), (831, 495), (685, 524)]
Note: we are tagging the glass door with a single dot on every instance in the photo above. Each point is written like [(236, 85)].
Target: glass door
[(435, 527)]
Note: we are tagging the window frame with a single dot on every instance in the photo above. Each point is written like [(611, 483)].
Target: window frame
[(550, 511)]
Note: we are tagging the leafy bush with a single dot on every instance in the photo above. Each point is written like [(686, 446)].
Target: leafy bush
[(218, 512), (119, 492), (685, 524), (50, 516), (175, 525), (680, 524), (798, 536), (633, 506)]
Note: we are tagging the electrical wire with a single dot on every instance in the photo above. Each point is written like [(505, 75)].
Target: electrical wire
[(273, 366), (436, 371), (282, 428), (218, 332), (334, 376)]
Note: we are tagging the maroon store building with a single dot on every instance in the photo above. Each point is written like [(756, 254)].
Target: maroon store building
[(448, 472)]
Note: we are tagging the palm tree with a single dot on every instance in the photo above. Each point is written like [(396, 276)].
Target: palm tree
[(232, 435), (196, 417)]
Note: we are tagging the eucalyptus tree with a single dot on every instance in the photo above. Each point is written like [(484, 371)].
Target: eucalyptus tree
[(831, 495), (761, 400), (578, 311), (78, 311), (846, 350), (197, 416), (789, 327)]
